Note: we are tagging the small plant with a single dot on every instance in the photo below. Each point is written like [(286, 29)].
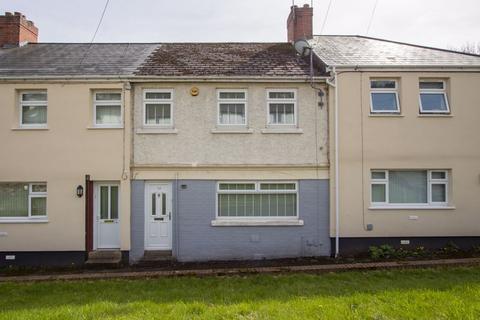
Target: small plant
[(450, 248), (384, 251), (476, 249)]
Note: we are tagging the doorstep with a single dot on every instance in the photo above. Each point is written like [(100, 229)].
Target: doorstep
[(104, 258), (247, 270)]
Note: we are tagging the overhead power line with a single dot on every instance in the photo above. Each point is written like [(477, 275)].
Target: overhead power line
[(326, 17), (100, 21), (371, 17), (96, 30)]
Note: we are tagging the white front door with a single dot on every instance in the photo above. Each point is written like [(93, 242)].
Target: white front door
[(158, 216), (107, 226)]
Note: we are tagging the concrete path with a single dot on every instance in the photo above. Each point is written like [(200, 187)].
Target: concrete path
[(133, 274)]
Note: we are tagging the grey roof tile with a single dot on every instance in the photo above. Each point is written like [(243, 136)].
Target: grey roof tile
[(74, 59), (364, 51)]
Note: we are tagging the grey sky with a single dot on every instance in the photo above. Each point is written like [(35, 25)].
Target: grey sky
[(439, 23)]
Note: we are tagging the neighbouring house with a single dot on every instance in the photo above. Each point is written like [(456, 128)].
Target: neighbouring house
[(408, 149), (223, 151)]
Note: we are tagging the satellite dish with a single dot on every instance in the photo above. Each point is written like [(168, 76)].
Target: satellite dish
[(302, 47)]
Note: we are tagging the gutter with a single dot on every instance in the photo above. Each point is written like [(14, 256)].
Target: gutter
[(449, 68), (111, 78), (337, 190)]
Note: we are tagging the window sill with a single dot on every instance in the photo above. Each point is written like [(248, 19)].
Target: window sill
[(40, 128), (156, 131), (282, 131), (435, 115), (104, 128), (23, 220), (412, 208), (387, 115), (231, 131), (255, 223)]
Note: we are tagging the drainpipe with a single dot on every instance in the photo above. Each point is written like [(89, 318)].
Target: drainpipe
[(334, 84)]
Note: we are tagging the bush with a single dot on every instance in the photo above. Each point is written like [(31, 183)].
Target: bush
[(384, 251)]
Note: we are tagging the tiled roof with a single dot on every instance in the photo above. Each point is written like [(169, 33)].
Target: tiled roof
[(73, 59), (364, 51), (224, 59)]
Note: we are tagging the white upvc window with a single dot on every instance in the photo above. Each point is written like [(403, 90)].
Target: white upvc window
[(20, 200), (158, 108), (107, 109), (404, 188), (384, 96), (33, 109), (257, 200), (433, 96), (282, 107), (232, 107)]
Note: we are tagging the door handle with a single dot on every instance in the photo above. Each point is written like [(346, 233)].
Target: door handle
[(170, 215)]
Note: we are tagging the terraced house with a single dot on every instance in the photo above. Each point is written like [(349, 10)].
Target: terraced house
[(223, 151)]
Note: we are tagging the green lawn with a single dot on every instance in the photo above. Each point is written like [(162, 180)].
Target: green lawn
[(409, 294)]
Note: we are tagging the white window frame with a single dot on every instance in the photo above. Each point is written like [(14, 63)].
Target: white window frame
[(430, 182), (385, 90), (235, 101), (295, 109), (162, 101), (257, 190), (107, 103), (433, 91), (31, 195), (31, 103)]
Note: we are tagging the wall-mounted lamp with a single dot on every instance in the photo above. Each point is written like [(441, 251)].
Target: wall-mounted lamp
[(321, 94), (79, 191)]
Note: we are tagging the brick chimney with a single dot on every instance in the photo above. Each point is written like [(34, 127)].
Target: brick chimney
[(16, 30), (299, 23)]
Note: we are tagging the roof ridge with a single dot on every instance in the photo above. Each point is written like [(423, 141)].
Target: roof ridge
[(402, 43)]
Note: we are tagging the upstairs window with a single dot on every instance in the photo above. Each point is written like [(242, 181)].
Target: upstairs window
[(158, 108), (433, 97), (232, 107), (282, 107), (23, 200), (384, 96), (107, 109), (33, 108)]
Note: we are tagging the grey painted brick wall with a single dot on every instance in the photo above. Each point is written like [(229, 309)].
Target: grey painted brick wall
[(194, 239), (137, 220)]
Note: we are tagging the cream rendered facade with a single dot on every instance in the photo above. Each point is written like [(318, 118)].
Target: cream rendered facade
[(408, 140), (62, 154)]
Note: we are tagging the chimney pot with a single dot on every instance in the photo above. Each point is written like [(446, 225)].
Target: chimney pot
[(8, 14)]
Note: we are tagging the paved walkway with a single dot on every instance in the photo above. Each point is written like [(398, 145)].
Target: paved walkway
[(235, 271)]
